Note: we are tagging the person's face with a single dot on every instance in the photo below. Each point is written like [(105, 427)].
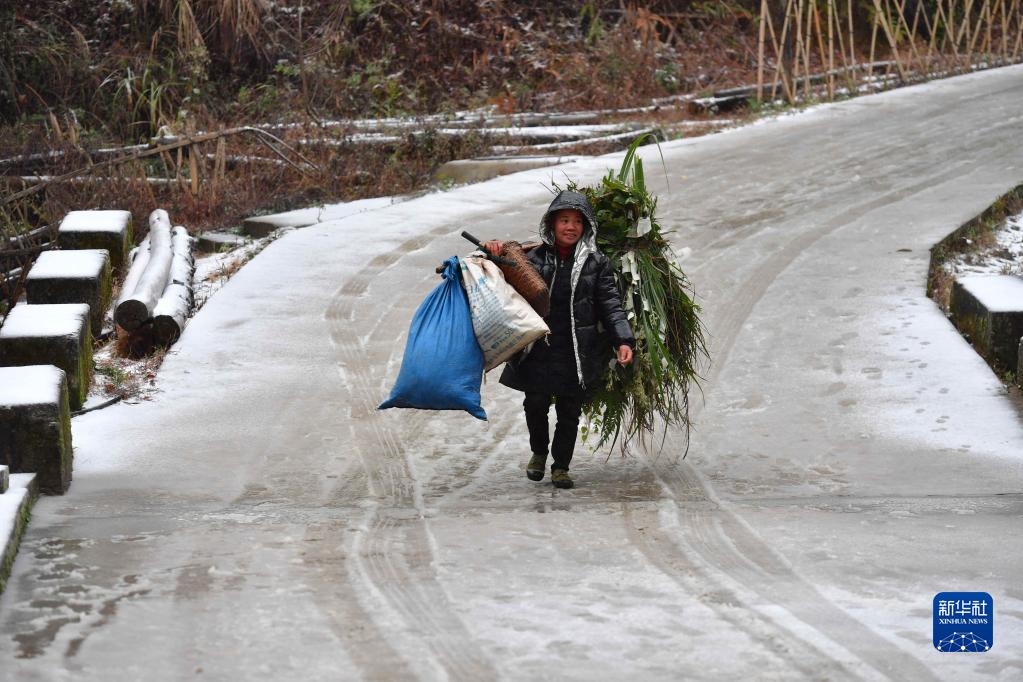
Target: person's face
[(568, 226)]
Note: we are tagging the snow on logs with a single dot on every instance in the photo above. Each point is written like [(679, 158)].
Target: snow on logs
[(135, 306), (158, 287), (172, 309)]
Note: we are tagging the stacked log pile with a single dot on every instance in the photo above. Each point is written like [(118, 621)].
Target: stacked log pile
[(157, 296)]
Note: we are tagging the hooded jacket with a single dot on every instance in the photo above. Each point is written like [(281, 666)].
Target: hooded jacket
[(597, 325)]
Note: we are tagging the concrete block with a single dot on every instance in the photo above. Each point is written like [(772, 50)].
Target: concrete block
[(1019, 363), (109, 230), (259, 226), (55, 334), (15, 507), (477, 170), (72, 277), (215, 242), (5, 478), (35, 425), (989, 309)]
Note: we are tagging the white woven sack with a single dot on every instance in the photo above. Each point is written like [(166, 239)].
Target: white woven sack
[(502, 319)]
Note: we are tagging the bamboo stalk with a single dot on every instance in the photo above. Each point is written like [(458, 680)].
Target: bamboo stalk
[(932, 30), (852, 35), (1019, 30), (950, 24), (885, 25), (779, 47), (989, 23), (799, 47), (789, 73), (778, 57), (913, 34), (808, 41), (964, 29), (850, 75), (873, 43), (831, 49), (1005, 29), (760, 51), (900, 5), (949, 20), (193, 168), (219, 167), (979, 28), (820, 47)]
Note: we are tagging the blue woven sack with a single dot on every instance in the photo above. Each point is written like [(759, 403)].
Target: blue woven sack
[(443, 364)]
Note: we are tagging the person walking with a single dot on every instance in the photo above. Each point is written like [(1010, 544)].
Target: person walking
[(587, 328)]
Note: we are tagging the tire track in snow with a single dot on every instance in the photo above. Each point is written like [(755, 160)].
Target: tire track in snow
[(731, 548), (727, 545), (393, 555), (643, 530), (748, 294)]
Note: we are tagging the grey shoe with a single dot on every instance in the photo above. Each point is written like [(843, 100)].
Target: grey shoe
[(535, 468), (561, 479)]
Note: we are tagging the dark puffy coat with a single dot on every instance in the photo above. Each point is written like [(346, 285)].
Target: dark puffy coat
[(598, 321)]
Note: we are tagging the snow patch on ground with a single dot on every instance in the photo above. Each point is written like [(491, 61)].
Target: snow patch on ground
[(319, 214), (1004, 257)]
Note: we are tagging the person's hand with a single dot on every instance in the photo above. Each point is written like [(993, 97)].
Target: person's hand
[(494, 247), (624, 354)]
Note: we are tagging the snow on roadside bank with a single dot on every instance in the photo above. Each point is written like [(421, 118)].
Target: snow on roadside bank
[(1003, 257)]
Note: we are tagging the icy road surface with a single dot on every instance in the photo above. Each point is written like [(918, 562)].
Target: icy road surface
[(260, 520)]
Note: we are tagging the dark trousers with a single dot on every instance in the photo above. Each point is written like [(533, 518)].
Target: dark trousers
[(568, 408)]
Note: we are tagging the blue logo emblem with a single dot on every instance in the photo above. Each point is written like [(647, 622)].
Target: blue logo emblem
[(964, 622)]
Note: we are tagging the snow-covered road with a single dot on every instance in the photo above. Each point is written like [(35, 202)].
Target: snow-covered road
[(259, 519)]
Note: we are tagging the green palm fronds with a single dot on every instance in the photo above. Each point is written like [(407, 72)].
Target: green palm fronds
[(658, 299)]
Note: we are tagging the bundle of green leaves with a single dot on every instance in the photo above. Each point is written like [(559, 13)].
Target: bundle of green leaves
[(658, 300)]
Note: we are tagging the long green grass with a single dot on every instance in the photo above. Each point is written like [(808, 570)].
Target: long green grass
[(658, 299)]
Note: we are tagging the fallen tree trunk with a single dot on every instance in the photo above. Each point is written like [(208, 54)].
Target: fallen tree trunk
[(173, 308), (170, 314), (136, 307), (139, 258)]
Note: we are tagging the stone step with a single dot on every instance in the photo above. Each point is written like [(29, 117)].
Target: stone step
[(258, 227), (214, 242), (81, 276), (109, 230), (485, 168), (35, 425), (15, 507), (51, 334), (989, 310)]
